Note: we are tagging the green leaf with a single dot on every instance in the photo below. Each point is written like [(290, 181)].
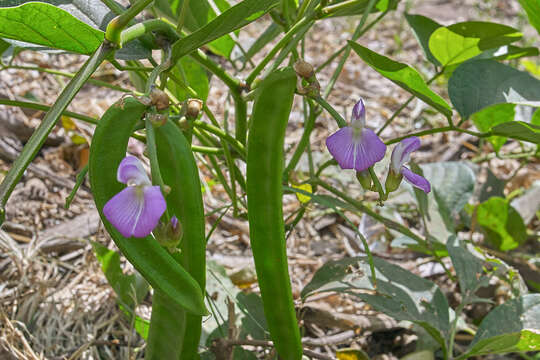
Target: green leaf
[(44, 24), (399, 293), (536, 118), (459, 42), (193, 75), (3, 46), (422, 28), (492, 187), (532, 8), (469, 267), (360, 7), (234, 18), (402, 75), (477, 84), (508, 52), (503, 225), (199, 13), (520, 331), (491, 116), (518, 130)]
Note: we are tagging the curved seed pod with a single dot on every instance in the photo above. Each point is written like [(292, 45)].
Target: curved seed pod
[(180, 172), (264, 191), (157, 266)]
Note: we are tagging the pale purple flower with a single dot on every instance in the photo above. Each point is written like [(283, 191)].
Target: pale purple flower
[(400, 155), (136, 210), (355, 146)]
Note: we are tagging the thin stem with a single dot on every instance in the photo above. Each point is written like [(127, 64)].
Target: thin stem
[(42, 107), (115, 27), (223, 135), (70, 75), (144, 28), (357, 33), (182, 16), (281, 43), (439, 130), (152, 155), (113, 6), (404, 105), (378, 186), (339, 119), (453, 327)]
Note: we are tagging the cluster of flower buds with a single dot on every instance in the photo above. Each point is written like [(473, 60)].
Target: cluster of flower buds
[(359, 148)]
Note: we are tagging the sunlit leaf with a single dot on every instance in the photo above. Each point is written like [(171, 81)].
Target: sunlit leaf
[(423, 27), (301, 197), (491, 116), (532, 8), (518, 130)]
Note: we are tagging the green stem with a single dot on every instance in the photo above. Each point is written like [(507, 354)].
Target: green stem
[(337, 53), (453, 328), (404, 105), (378, 186), (339, 119), (182, 16), (439, 130), (152, 155), (238, 146), (328, 10), (47, 124), (281, 43), (113, 6), (115, 27), (364, 209), (70, 75), (357, 33), (42, 107), (144, 28), (240, 114)]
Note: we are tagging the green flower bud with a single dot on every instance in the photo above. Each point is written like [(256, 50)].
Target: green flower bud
[(392, 181), (364, 178), (169, 235)]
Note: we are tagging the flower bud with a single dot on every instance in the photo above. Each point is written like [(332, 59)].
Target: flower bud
[(364, 178), (303, 69), (392, 181), (158, 120), (169, 235), (159, 99), (193, 108)]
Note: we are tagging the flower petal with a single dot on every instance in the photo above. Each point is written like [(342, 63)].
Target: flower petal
[(416, 180), (369, 150), (135, 211), (154, 207), (359, 114), (355, 152), (131, 170), (402, 152)]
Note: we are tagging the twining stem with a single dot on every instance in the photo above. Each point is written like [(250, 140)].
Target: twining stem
[(182, 16), (238, 146), (47, 124), (115, 27), (357, 33), (404, 105), (42, 107), (152, 155), (146, 27)]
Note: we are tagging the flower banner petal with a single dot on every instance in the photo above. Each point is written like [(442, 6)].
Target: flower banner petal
[(341, 146), (131, 170), (369, 150), (416, 180), (154, 206)]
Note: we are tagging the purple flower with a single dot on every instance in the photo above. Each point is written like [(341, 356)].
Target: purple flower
[(354, 146), (135, 211), (400, 155)]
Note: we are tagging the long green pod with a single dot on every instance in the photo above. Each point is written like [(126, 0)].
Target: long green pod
[(264, 192), (158, 267), (180, 172)]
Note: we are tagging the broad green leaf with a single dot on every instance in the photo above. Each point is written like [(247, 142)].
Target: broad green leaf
[(491, 116), (518, 130), (532, 8), (3, 46), (520, 331), (459, 42), (199, 13), (91, 12), (399, 293), (402, 75), (234, 18), (44, 24), (477, 84), (422, 28), (469, 267), (503, 225)]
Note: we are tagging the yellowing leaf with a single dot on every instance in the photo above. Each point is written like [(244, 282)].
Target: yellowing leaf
[(68, 123), (78, 139), (301, 197), (351, 354)]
